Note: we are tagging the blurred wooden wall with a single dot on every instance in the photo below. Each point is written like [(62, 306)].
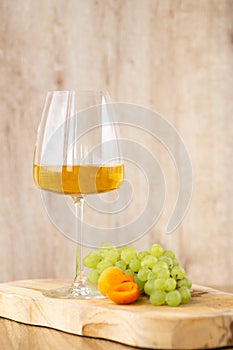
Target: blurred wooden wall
[(175, 57)]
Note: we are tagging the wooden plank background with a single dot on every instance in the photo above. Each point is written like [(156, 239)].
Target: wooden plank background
[(175, 57)]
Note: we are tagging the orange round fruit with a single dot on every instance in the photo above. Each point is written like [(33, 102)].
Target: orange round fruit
[(124, 293), (118, 286), (111, 277)]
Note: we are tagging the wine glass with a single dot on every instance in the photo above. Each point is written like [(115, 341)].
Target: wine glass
[(77, 154)]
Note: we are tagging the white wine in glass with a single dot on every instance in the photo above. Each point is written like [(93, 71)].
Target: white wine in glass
[(77, 154)]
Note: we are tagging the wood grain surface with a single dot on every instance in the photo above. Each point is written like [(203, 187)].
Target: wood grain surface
[(18, 336), (204, 323), (174, 56)]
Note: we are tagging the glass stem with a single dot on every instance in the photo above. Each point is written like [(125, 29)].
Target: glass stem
[(79, 270)]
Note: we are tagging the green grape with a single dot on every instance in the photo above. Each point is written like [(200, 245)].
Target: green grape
[(167, 260), (135, 264), (175, 262), (93, 276), (151, 276), (185, 295), (103, 265), (120, 249), (158, 266), (121, 265), (142, 254), (92, 259), (170, 284), (149, 287), (156, 250), (139, 283), (177, 272), (173, 298), (185, 282), (143, 273), (129, 272), (148, 261), (163, 273), (158, 297), (169, 253), (111, 255), (106, 245), (159, 283), (128, 254)]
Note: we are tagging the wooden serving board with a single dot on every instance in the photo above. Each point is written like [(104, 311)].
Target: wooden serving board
[(207, 322)]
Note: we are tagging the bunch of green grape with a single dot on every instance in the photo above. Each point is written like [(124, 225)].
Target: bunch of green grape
[(157, 271)]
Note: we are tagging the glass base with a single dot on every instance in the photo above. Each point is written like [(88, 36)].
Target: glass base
[(76, 291)]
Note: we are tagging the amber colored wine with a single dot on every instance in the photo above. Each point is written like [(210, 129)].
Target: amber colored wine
[(76, 179)]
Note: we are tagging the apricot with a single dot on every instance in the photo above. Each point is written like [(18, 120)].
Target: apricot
[(124, 293), (118, 286), (111, 277)]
